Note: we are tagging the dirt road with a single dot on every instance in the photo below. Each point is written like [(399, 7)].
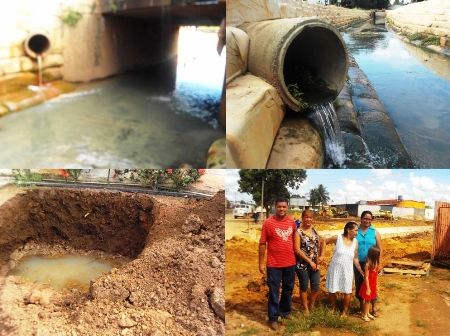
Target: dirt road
[(408, 305)]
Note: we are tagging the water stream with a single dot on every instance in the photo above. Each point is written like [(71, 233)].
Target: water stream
[(39, 62), (414, 86), (131, 120), (324, 117), (62, 271)]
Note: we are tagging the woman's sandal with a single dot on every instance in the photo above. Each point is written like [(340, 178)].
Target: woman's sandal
[(374, 313), (370, 316), (365, 318)]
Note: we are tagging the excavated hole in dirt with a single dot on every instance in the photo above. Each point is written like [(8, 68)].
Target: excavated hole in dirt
[(171, 249)]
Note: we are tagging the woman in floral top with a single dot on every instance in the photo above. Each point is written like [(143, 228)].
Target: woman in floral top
[(309, 251)]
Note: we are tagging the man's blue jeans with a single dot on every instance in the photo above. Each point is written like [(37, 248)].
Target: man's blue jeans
[(280, 306)]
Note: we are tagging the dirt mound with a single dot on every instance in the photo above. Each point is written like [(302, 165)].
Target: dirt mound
[(174, 286)]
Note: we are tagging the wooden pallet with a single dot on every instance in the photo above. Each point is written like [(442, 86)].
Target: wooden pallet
[(417, 268)]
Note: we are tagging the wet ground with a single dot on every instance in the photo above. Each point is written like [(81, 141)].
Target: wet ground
[(132, 120), (414, 86)]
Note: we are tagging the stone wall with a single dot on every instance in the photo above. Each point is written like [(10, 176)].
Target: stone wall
[(239, 12), (430, 17)]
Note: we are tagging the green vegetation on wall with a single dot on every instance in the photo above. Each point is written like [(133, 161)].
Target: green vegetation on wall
[(71, 17)]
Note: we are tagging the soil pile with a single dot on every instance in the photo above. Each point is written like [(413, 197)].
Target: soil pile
[(175, 284)]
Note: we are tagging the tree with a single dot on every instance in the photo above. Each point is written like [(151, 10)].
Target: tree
[(228, 204), (276, 183), (319, 195)]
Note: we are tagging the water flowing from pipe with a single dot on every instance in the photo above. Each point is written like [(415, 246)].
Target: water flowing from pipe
[(324, 117), (39, 61)]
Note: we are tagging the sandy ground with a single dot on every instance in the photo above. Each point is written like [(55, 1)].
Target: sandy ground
[(408, 305)]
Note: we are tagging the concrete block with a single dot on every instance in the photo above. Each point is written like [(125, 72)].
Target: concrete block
[(240, 11), (254, 114), (27, 64), (52, 60), (10, 83), (297, 145), (10, 65), (51, 74), (237, 52)]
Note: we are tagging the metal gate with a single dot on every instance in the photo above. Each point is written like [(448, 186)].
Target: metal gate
[(440, 254)]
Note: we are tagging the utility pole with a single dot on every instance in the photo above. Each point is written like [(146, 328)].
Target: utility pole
[(262, 198)]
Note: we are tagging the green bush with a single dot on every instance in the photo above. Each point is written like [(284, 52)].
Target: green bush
[(71, 17), (430, 40), (414, 37)]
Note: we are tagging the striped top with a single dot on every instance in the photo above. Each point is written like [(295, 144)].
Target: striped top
[(278, 235)]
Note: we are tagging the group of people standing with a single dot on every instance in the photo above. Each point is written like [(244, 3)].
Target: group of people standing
[(299, 251)]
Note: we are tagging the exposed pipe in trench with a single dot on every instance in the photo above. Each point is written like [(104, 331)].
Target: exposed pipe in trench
[(277, 47), (133, 190)]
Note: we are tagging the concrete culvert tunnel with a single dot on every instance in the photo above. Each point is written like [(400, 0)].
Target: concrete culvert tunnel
[(307, 52), (173, 282)]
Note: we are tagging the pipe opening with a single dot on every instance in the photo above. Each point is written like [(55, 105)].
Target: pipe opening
[(37, 44), (308, 53), (316, 62)]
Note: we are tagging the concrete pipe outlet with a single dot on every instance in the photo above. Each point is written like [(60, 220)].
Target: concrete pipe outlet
[(307, 52), (37, 44)]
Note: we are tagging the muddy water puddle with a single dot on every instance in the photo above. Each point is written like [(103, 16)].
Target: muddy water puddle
[(62, 272)]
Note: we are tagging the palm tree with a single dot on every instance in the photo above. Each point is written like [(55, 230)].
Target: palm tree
[(319, 195), (323, 195)]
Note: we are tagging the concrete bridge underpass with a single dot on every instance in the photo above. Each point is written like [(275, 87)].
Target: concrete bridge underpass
[(178, 12)]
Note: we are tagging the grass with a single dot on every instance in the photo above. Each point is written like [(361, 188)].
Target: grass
[(248, 332), (430, 40), (323, 317), (337, 103), (414, 37), (420, 323), (390, 285)]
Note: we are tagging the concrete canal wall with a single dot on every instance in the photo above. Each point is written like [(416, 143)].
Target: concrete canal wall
[(430, 18)]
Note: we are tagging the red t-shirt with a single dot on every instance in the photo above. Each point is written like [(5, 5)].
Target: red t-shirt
[(278, 235)]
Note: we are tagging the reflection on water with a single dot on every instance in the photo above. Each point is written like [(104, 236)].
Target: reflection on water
[(416, 97), (132, 120), (62, 272)]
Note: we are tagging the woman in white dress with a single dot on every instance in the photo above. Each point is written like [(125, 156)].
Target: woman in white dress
[(340, 271)]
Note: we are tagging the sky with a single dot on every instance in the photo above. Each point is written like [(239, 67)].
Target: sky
[(353, 185)]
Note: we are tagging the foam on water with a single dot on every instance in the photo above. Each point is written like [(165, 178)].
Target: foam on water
[(62, 271)]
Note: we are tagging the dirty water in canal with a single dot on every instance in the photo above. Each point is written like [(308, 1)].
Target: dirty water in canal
[(414, 86), (134, 119)]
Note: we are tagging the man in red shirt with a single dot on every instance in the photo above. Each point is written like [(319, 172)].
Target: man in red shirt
[(277, 233)]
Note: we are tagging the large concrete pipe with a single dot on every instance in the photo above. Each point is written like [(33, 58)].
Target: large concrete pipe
[(37, 43), (280, 47)]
